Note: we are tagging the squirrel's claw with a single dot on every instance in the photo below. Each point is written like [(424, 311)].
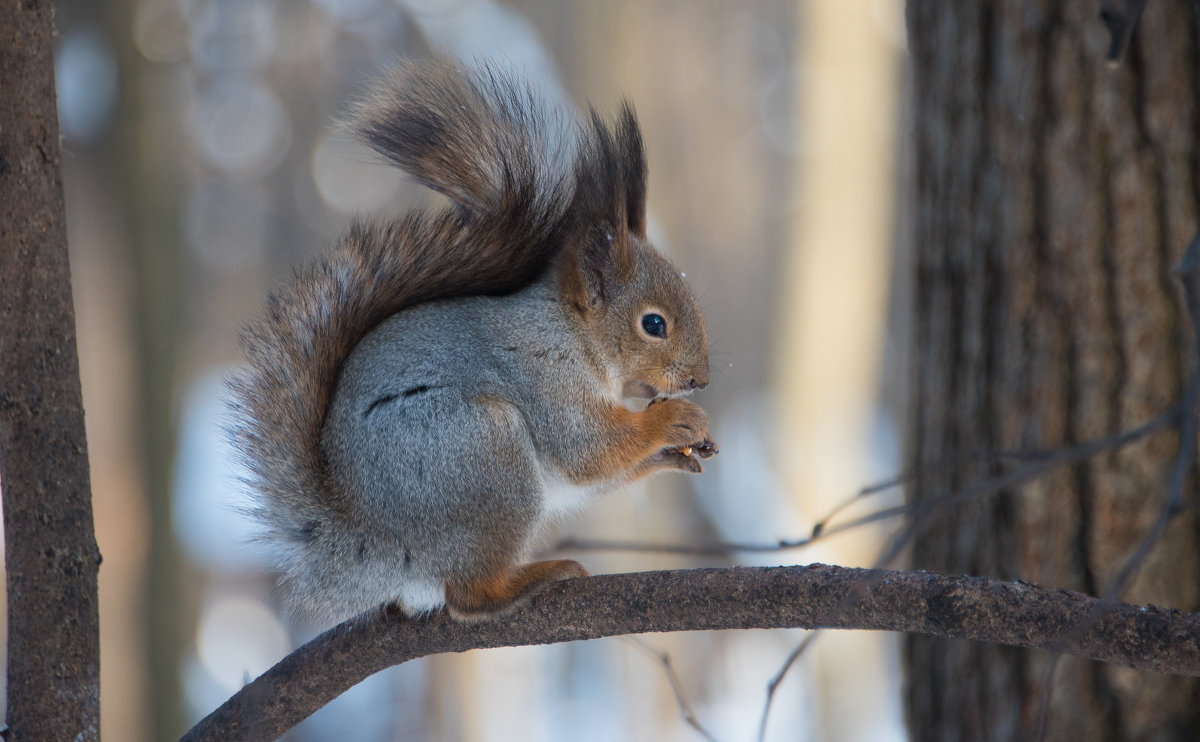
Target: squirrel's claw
[(707, 449)]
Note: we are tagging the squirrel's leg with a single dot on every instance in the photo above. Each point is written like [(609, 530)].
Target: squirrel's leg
[(506, 590), (623, 443), (631, 445), (489, 584)]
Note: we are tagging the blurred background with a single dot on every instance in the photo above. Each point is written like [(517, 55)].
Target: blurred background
[(202, 161)]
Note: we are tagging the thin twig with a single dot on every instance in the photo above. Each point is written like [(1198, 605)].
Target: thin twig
[(685, 706), (868, 491), (794, 655), (1188, 272), (913, 473), (1043, 720), (1189, 277), (921, 521), (1018, 476), (885, 559), (1185, 457), (1036, 467)]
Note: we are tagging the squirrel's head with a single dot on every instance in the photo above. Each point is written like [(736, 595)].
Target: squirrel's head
[(639, 314), (642, 319)]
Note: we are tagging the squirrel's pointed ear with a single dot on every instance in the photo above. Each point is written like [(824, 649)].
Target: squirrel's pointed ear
[(633, 169), (589, 270)]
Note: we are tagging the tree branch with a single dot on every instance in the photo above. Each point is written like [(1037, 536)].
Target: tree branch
[(814, 596)]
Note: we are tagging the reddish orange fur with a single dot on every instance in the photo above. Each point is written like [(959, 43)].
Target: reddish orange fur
[(507, 589)]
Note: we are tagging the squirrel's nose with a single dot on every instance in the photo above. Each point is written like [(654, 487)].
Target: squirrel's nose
[(693, 384)]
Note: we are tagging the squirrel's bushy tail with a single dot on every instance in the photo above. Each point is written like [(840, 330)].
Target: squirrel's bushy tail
[(505, 160)]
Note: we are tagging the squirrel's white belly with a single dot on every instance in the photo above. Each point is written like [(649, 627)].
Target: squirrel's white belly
[(561, 497)]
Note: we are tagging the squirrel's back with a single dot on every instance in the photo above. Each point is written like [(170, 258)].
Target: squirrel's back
[(505, 160)]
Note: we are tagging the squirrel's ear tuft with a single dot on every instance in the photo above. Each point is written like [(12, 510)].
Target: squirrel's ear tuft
[(609, 206), (633, 169)]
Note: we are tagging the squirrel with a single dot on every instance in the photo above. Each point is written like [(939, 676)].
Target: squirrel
[(424, 399)]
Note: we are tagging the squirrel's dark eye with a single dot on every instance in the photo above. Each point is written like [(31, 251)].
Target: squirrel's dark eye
[(654, 325)]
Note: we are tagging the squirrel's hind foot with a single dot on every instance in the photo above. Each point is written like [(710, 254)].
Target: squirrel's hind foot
[(504, 592)]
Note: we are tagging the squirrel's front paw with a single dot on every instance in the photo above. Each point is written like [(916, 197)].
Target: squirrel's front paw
[(676, 424), (668, 458), (685, 458)]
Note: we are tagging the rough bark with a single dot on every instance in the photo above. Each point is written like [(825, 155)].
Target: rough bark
[(813, 596), (1055, 194), (50, 550)]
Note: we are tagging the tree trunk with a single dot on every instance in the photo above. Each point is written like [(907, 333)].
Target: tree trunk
[(53, 689), (1054, 195)]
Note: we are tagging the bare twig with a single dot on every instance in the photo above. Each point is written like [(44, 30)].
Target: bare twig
[(898, 543), (1021, 475), (1188, 272), (1043, 719), (913, 473), (1039, 464), (1036, 466), (1189, 277), (685, 707), (774, 682)]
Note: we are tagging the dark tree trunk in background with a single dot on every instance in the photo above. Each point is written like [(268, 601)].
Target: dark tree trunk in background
[(1053, 197), (53, 689)]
